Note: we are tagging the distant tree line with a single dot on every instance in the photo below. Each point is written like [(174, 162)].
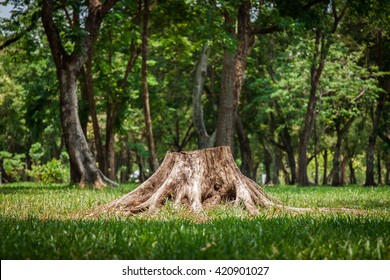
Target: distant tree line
[(96, 92)]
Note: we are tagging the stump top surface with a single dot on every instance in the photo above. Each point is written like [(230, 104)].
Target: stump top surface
[(214, 149)]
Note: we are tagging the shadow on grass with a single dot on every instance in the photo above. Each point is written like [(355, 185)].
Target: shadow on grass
[(35, 187), (20, 188)]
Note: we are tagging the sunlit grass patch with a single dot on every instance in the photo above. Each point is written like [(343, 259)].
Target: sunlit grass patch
[(51, 222)]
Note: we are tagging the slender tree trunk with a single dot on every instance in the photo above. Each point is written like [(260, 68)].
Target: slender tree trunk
[(336, 159), (204, 139), (370, 174), (291, 159), (304, 136), (245, 149), (352, 176), (322, 45), (86, 72), (316, 155), (84, 104), (387, 177), (110, 149), (276, 164), (145, 92), (267, 164), (379, 166), (325, 174)]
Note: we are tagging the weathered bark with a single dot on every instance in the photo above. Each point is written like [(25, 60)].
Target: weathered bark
[(227, 108), (233, 70), (198, 179), (153, 162), (83, 167), (204, 139), (82, 163)]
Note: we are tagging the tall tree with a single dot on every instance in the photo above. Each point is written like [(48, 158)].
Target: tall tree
[(377, 111), (153, 162), (323, 40), (69, 58)]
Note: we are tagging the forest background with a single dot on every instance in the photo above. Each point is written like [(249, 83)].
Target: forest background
[(298, 89)]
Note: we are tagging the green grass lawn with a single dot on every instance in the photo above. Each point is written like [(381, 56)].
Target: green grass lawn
[(50, 222)]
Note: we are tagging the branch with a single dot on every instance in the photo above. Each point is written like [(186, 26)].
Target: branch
[(262, 31), (360, 95), (51, 31), (336, 17), (18, 36), (385, 137), (107, 6), (277, 144)]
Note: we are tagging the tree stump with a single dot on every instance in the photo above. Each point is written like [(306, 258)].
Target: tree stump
[(198, 179)]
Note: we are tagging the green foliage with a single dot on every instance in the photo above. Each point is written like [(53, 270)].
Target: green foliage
[(13, 164), (53, 171), (48, 222), (36, 153), (275, 90)]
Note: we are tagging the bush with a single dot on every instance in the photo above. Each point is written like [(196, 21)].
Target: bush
[(13, 165), (51, 172)]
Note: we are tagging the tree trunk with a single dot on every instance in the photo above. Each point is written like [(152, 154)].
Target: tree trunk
[(336, 160), (110, 149), (145, 92), (287, 141), (304, 136), (316, 155), (322, 45), (325, 174), (87, 73), (227, 108), (352, 176), (83, 167), (204, 139), (276, 165), (267, 164), (383, 95), (379, 166), (82, 163), (245, 149), (199, 179), (233, 70)]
